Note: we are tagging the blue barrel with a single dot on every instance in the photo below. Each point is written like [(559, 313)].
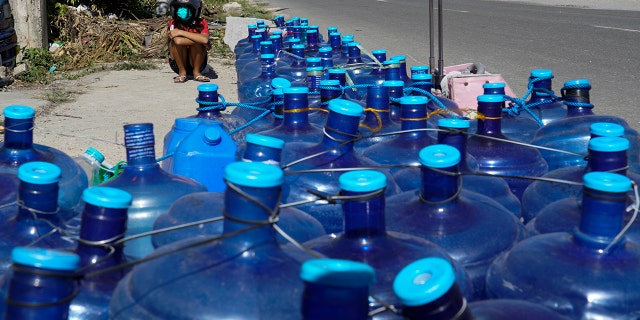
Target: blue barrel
[(564, 271), (463, 222), (18, 148)]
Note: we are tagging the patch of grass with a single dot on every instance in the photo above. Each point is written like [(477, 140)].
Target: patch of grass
[(57, 96), (249, 9), (38, 62)]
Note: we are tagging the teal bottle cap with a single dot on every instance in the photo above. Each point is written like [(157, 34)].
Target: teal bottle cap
[(294, 41), (606, 181), (606, 129), (494, 85), (379, 51), (578, 83), (331, 82), (393, 83), (399, 58), (298, 46), (295, 90), (541, 73), (45, 258), (93, 152), (347, 38), (338, 273), (315, 69), (346, 107), (332, 28), (314, 59), (263, 140), (277, 33), (353, 44), (19, 112), (38, 172), (266, 43), (107, 197), (274, 37), (208, 87), (362, 181), (608, 144), (253, 174), (265, 56), (312, 30), (280, 83), (335, 33), (491, 98), (413, 100), (390, 62), (212, 136), (439, 156), (454, 123), (186, 124), (423, 281), (252, 26), (325, 49), (339, 71), (419, 68), (256, 36), (422, 76)]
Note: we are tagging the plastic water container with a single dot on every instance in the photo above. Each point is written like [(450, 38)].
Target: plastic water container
[(366, 239), (104, 222), (403, 148), (572, 132), (336, 289), (244, 43), (438, 108), (377, 73), (181, 128), (258, 89), (252, 277), (326, 57), (608, 129), (199, 206), (92, 162), (427, 289), (296, 71), (18, 148), (153, 189), (41, 285), (396, 91), (355, 70), (8, 188), (258, 116), (266, 47), (347, 93), (542, 102), (203, 154), (473, 228), (251, 68), (567, 271), (605, 154), (402, 60), (37, 220), (502, 157), (334, 151), (329, 90), (392, 71), (377, 119), (207, 100)]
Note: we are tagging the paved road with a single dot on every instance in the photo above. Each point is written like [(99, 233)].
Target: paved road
[(510, 38)]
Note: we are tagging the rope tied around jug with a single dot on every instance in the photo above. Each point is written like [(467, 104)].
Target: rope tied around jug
[(376, 113), (576, 95)]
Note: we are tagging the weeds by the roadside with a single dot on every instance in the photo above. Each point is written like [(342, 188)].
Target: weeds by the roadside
[(60, 95)]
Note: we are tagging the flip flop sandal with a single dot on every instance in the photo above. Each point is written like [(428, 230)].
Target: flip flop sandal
[(180, 79), (202, 78)]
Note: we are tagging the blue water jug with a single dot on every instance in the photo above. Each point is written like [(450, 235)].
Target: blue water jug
[(8, 188), (311, 49), (153, 189), (605, 154), (296, 71), (419, 69), (104, 222), (392, 70), (359, 70), (496, 154), (396, 91), (326, 57), (608, 129), (203, 154), (249, 62), (251, 276), (428, 290), (329, 90), (378, 72), (403, 149), (253, 44), (245, 43), (437, 107), (590, 273), (36, 219), (247, 54), (334, 152), (18, 148), (258, 89), (336, 289), (402, 60), (199, 206), (572, 132), (181, 128), (40, 284), (543, 103), (366, 239), (351, 93), (209, 108), (267, 113), (377, 120), (453, 132), (464, 223)]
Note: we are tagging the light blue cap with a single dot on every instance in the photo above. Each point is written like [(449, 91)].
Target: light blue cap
[(423, 281), (45, 258), (280, 83), (413, 100), (439, 156), (347, 38), (391, 62), (253, 174), (38, 172), (346, 107), (93, 152), (606, 181), (186, 124), (312, 30), (608, 144), (398, 58), (454, 123), (336, 70), (297, 46), (541, 73), (353, 44), (107, 197), (266, 43), (581, 83), (419, 68), (491, 98), (212, 136), (19, 112), (208, 87), (314, 59), (295, 90), (494, 85), (362, 181), (393, 83), (267, 56), (330, 82), (379, 51), (422, 76), (325, 49), (338, 273), (263, 140), (606, 129), (312, 69)]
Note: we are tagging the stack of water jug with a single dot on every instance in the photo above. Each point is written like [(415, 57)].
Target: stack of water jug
[(341, 186)]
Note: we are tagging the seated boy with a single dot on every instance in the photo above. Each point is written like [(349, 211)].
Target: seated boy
[(188, 40)]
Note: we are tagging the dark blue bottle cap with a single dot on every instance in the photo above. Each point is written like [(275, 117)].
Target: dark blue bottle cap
[(263, 140), (45, 258), (541, 73), (331, 82), (19, 112), (267, 56), (414, 100), (423, 281), (38, 172), (186, 124), (491, 98), (454, 123), (208, 87), (606, 129), (422, 76), (362, 181), (107, 197), (379, 51), (295, 90), (280, 83), (212, 136), (393, 83), (345, 107), (253, 174), (494, 85), (94, 153), (439, 156), (608, 144), (606, 181), (338, 273), (339, 71)]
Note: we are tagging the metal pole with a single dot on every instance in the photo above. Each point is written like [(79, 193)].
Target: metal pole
[(440, 46), (432, 62)]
